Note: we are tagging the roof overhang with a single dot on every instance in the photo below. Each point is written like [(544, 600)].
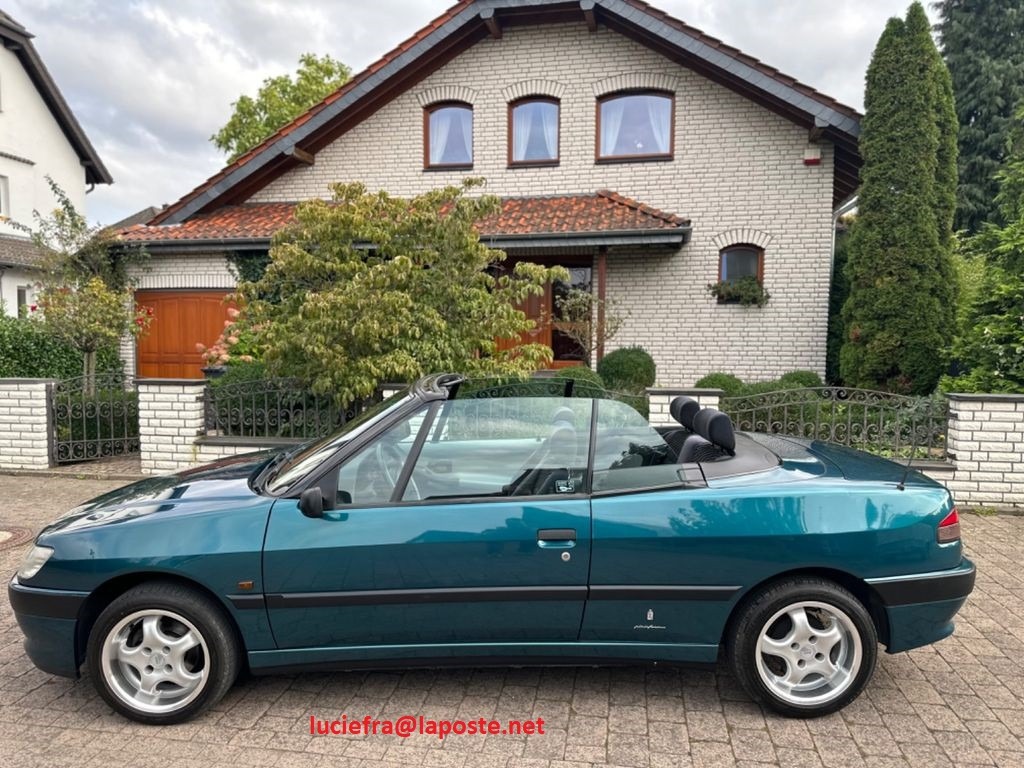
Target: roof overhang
[(667, 239), (19, 41), (470, 21)]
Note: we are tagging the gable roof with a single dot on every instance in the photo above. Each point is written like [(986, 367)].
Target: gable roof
[(605, 215), (18, 40), (469, 21)]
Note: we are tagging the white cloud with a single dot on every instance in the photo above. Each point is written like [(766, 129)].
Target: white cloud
[(151, 80)]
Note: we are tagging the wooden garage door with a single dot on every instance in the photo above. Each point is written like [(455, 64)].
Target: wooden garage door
[(181, 319)]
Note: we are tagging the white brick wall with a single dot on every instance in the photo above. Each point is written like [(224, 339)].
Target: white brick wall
[(737, 166), (170, 420), (986, 443), (24, 423)]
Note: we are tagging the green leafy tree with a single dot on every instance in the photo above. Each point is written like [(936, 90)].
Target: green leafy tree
[(984, 48), (899, 317), (86, 297), (279, 101), (369, 288), (992, 344)]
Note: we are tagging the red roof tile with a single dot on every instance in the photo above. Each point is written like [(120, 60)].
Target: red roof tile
[(604, 211)]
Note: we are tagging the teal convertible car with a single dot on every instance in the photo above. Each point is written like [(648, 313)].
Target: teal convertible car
[(481, 524)]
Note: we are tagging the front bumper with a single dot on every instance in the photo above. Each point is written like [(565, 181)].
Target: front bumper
[(49, 619), (920, 607)]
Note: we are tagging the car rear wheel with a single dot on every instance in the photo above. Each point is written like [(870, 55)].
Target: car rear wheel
[(162, 652), (804, 646)]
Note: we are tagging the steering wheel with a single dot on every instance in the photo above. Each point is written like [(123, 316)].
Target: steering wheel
[(385, 453)]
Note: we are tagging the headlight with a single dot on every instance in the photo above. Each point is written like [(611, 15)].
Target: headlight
[(34, 560)]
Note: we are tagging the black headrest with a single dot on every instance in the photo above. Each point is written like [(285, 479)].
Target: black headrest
[(683, 409), (717, 427)]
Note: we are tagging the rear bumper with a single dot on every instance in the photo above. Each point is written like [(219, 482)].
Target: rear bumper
[(49, 619), (920, 607)]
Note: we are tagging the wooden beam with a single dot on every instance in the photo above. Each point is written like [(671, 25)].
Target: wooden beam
[(491, 22), (589, 16), (602, 266), (302, 156), (815, 132)]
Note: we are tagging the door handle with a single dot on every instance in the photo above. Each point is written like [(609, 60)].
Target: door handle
[(556, 538)]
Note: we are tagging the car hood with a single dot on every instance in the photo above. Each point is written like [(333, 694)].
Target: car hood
[(223, 480)]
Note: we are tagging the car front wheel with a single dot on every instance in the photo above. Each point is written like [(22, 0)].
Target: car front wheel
[(804, 646), (162, 652)]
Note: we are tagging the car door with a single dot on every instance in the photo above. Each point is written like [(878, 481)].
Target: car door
[(465, 523), (656, 576)]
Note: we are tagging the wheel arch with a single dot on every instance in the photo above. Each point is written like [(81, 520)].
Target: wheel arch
[(859, 588), (113, 588)]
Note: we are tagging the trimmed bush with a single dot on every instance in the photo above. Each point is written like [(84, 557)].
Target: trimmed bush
[(587, 380), (630, 369), (28, 350), (729, 384), (800, 380)]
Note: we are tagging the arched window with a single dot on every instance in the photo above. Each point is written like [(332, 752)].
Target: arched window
[(635, 125), (448, 135), (533, 131), (738, 261)]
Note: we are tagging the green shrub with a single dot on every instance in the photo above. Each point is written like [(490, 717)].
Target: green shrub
[(28, 350), (800, 380), (729, 384), (588, 382), (238, 372), (630, 369)]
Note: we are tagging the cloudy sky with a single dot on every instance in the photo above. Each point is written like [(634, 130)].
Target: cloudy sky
[(151, 80)]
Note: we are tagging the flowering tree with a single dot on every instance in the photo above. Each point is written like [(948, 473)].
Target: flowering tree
[(369, 288), (86, 295)]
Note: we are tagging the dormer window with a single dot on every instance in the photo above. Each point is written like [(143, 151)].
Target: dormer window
[(533, 131), (448, 136), (635, 126)]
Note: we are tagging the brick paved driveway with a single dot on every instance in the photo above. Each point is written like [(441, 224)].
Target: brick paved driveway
[(958, 703)]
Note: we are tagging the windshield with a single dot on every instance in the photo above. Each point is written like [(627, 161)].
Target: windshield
[(308, 457)]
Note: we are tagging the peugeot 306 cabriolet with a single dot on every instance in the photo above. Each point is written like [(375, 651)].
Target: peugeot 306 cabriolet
[(467, 523)]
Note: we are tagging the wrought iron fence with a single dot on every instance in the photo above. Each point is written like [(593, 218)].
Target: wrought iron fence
[(273, 408), (94, 418), (509, 408), (877, 422)]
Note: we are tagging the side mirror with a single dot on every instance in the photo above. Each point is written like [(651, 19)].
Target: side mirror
[(311, 502)]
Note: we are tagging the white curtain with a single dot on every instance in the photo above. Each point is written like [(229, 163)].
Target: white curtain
[(611, 122), (549, 124), (659, 112), (465, 117), (440, 127), (522, 127)]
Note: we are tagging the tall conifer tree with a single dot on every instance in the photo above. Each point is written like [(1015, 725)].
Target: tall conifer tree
[(899, 317), (983, 45)]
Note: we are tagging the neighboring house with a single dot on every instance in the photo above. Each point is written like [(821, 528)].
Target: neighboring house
[(39, 137), (648, 157)]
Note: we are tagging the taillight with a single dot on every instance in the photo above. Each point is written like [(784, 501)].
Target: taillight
[(949, 528)]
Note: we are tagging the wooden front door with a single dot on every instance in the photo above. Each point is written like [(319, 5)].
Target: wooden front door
[(181, 319), (543, 311)]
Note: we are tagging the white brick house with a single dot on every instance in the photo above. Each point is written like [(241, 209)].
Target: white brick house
[(39, 137), (625, 143)]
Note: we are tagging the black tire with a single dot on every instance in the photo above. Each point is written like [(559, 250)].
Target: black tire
[(757, 610), (223, 653)]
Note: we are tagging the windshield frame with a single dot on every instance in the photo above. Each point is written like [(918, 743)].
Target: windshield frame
[(305, 461)]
